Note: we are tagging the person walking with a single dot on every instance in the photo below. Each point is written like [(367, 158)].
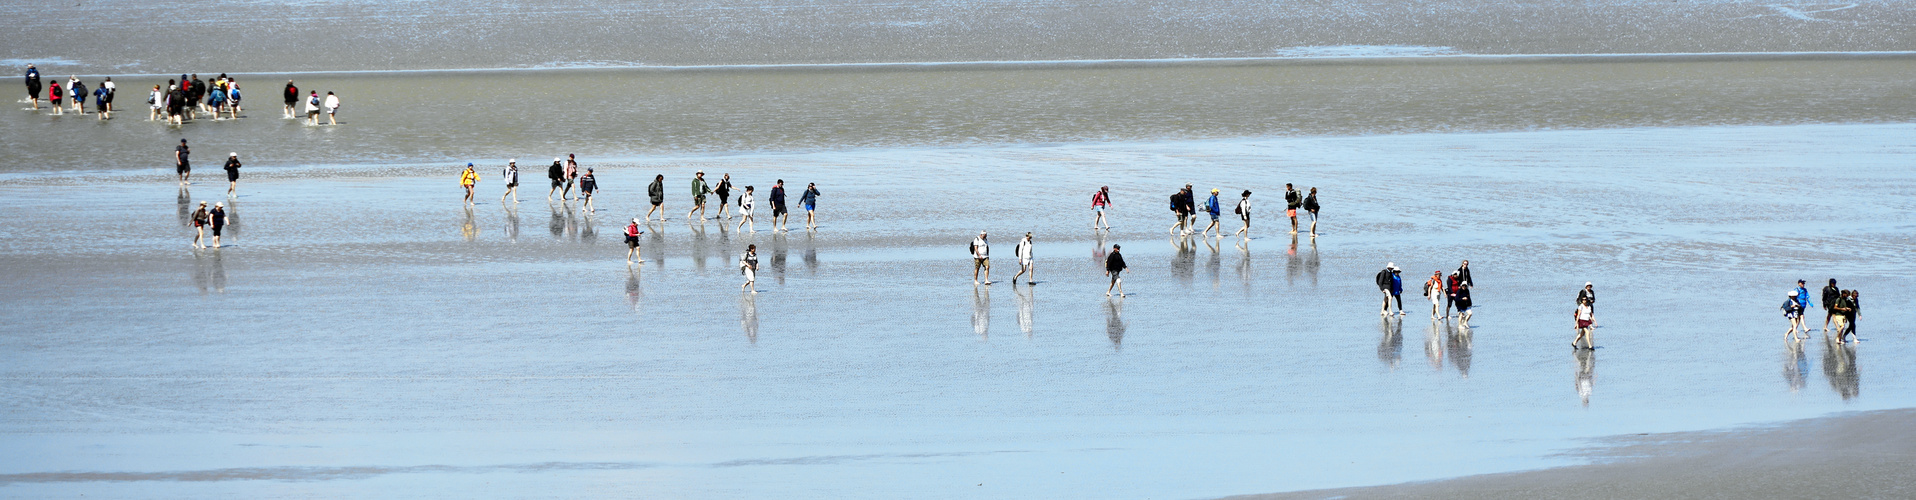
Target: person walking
[(111, 89), (724, 193), (217, 217), (312, 108), (1211, 206), (468, 179), (1852, 306), (1450, 293), (572, 178), (156, 104), (1292, 201), (54, 94), (102, 97), (1310, 205), (33, 86), (1801, 296), (809, 199), (656, 192), (1463, 273), (632, 233), (511, 176), (232, 99), (1793, 313), (182, 161), (1100, 201), (745, 210), (76, 90), (1830, 295), (1244, 214), (980, 258), (748, 265), (1588, 295), (556, 174), (1585, 317), (779, 213), (332, 109), (1023, 252), (1114, 267), (232, 173), (1463, 304), (1434, 290), (200, 219), (216, 101), (588, 186), (1391, 282), (699, 190), (291, 94), (1179, 203)]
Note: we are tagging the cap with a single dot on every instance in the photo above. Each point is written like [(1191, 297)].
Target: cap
[(1792, 293), (1213, 190), (468, 164), (555, 159), (1586, 283), (235, 153), (1799, 282)]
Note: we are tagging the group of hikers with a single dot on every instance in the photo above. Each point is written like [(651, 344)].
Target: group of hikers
[(1445, 294), (1184, 206), (176, 102), (1839, 306)]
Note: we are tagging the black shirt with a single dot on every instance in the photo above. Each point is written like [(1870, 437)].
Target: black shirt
[(292, 94), (232, 165), (184, 152), (1114, 263)]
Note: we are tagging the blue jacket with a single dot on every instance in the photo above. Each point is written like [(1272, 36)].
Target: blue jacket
[(1396, 284), (1802, 298), (1211, 205)]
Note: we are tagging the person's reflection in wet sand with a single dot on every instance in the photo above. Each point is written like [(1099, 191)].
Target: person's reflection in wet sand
[(778, 257), (558, 220), (186, 207), (1459, 343), (1796, 366), (655, 241), (748, 315), (633, 289), (981, 310), (1114, 322), (1434, 346), (1292, 265), (232, 228), (1184, 261), (470, 228), (811, 255), (1097, 252), (209, 272), (1214, 264), (1244, 263), (700, 246), (1025, 299), (1311, 263), (1586, 373), (1390, 349), (512, 222), (1839, 365), (586, 234)]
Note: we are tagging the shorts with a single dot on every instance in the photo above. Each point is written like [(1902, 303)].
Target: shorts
[(1292, 213), (1097, 209), (511, 185), (631, 242), (1583, 323), (977, 263), (1213, 216), (232, 176), (216, 229), (750, 275), (698, 200), (778, 210), (811, 206), (100, 105), (312, 114), (183, 167), (1024, 262), (33, 91), (558, 183), (1114, 275)]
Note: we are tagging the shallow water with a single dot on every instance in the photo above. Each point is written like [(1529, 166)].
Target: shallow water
[(367, 335)]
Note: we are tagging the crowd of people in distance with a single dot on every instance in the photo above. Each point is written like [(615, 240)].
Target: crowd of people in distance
[(176, 102), (1839, 307)]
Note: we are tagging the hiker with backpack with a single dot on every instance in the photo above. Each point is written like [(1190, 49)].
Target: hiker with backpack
[(1391, 282), (1211, 207), (291, 94), (467, 179), (1292, 201), (1178, 203), (511, 176), (312, 109), (980, 258), (1310, 205), (1100, 201), (556, 173), (632, 233), (1243, 211)]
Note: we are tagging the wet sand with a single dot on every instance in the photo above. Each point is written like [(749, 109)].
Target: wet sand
[(1858, 455), (368, 335)]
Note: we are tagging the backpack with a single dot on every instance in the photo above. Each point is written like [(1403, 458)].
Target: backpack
[(314, 101), (1383, 279), (1239, 209), (1174, 203)]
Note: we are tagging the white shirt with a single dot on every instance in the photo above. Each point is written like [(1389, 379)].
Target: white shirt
[(1583, 312), (310, 105), (1023, 250), (108, 84), (159, 98), (511, 174), (332, 103), (745, 202), (980, 249)]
